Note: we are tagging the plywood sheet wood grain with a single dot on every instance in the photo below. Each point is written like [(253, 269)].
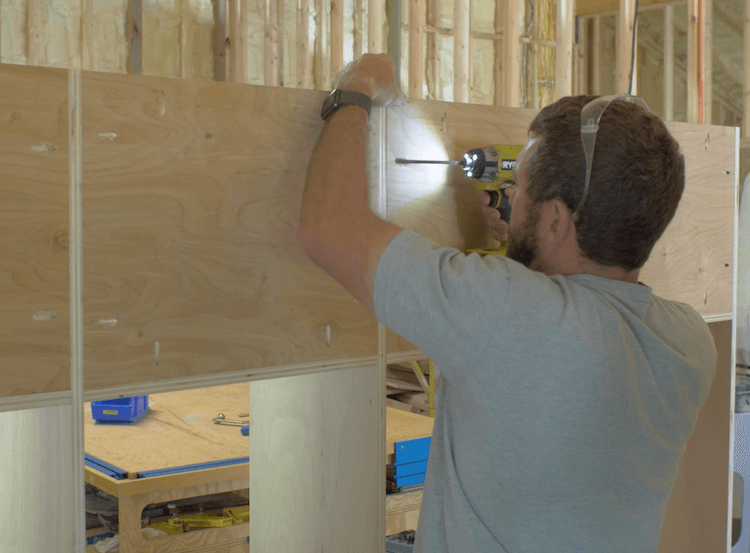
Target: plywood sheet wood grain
[(191, 198), (317, 482), (178, 430), (34, 285), (402, 425), (693, 260)]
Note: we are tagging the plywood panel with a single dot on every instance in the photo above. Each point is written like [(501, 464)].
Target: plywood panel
[(698, 511), (36, 464), (191, 198), (317, 481), (692, 262), (34, 288)]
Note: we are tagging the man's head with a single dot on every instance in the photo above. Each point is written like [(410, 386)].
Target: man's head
[(637, 179)]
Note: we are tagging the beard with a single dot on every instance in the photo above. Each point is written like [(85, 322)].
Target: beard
[(523, 244)]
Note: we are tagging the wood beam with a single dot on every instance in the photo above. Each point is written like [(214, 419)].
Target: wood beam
[(133, 26), (337, 36), (511, 62), (626, 62), (497, 65), (416, 53), (273, 68), (461, 41), (303, 44), (706, 64), (186, 58), (395, 35), (597, 48), (237, 41), (693, 91), (360, 7), (609, 7), (564, 51), (322, 66), (433, 61), (668, 86), (376, 43), (36, 21), (220, 40), (581, 56)]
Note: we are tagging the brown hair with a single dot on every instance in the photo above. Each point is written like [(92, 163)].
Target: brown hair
[(637, 177)]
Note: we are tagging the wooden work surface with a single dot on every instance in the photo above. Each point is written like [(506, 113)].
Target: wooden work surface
[(403, 425), (178, 430)]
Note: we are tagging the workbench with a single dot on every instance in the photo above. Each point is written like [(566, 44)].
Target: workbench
[(402, 509), (177, 431)]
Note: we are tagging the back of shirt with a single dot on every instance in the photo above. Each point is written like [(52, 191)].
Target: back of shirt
[(565, 403)]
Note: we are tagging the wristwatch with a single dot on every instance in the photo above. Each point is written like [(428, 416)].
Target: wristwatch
[(338, 98)]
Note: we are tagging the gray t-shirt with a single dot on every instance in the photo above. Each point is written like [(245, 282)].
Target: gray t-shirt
[(564, 406)]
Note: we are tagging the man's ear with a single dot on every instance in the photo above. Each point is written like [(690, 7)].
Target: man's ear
[(555, 221)]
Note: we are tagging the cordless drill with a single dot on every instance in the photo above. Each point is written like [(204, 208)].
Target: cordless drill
[(490, 165)]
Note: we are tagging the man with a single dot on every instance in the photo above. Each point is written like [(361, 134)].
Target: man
[(569, 390)]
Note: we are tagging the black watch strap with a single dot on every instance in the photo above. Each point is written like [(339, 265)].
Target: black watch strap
[(338, 98)]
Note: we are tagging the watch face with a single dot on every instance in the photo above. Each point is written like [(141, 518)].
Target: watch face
[(330, 104)]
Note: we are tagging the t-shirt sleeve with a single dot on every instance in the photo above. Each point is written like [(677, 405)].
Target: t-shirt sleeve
[(446, 303)]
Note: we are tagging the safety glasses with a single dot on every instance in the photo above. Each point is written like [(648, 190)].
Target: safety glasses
[(590, 116)]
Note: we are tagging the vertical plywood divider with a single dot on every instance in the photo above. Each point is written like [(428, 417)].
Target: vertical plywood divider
[(315, 468), (76, 306)]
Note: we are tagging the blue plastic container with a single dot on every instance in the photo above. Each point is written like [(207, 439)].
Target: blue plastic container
[(121, 410)]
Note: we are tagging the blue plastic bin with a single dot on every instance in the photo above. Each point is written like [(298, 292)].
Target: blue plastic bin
[(121, 410)]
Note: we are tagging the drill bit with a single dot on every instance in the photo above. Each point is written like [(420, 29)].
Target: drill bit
[(403, 161)]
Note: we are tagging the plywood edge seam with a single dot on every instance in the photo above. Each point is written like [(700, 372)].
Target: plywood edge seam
[(75, 233), (717, 318), (733, 353), (233, 377), (35, 401)]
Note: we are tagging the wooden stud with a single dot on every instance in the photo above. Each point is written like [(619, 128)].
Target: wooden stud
[(626, 62), (416, 53), (220, 43), (693, 92), (272, 69), (237, 18), (511, 62), (668, 63), (582, 45), (376, 42), (133, 32), (186, 57), (707, 65), (360, 8), (395, 35), (497, 68), (36, 35), (433, 61), (303, 44), (535, 59), (337, 36), (322, 65), (746, 75), (596, 59), (564, 49), (461, 45)]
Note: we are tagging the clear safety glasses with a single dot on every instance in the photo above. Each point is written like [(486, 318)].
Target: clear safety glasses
[(590, 116)]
